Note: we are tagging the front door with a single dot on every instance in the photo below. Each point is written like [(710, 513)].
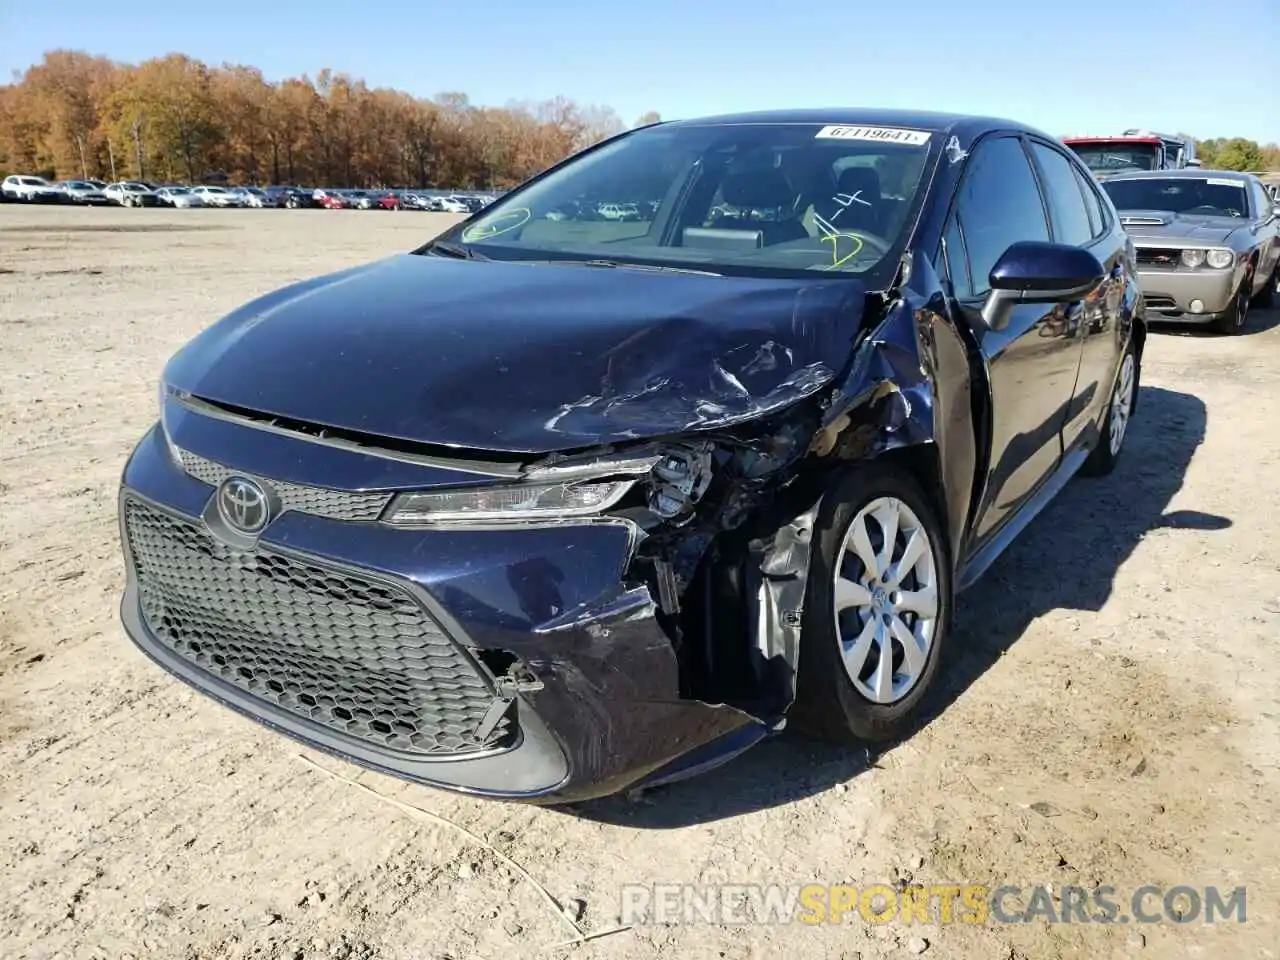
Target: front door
[(1033, 362)]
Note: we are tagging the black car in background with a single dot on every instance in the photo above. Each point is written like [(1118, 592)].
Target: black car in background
[(552, 507), (292, 198)]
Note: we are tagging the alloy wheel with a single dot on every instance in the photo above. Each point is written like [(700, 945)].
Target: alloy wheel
[(1122, 404), (886, 600)]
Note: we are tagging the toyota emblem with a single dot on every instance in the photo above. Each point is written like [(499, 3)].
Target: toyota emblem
[(243, 505)]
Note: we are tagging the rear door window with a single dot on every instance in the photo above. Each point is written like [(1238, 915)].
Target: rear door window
[(1067, 211)]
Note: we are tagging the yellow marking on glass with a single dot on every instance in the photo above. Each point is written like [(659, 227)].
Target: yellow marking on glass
[(836, 259), (488, 229)]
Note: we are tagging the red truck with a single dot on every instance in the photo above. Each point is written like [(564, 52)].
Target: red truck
[(1133, 150)]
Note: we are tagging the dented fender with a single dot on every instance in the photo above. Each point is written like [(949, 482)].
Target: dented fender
[(908, 386)]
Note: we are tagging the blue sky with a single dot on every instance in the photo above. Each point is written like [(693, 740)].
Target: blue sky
[(1208, 68)]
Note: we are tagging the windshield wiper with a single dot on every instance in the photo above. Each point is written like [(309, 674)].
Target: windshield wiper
[(621, 265), (447, 248)]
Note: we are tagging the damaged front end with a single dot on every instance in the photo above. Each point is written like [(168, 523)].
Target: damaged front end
[(523, 623), (724, 526)]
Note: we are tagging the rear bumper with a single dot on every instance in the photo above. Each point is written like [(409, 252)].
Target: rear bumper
[(604, 711)]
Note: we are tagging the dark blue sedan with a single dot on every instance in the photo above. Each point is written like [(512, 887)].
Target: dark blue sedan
[(698, 432)]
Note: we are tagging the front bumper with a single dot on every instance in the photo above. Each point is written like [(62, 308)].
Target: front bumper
[(1168, 293), (599, 706)]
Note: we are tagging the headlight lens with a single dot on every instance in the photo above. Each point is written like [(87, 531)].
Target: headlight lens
[(1221, 259), (162, 392), (522, 501), (1192, 258)]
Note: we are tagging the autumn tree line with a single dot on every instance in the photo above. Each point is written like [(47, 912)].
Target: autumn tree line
[(174, 118)]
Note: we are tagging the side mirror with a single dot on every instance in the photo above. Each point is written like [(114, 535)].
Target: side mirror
[(1038, 272)]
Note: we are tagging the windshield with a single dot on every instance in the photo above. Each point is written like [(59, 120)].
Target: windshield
[(1117, 157), (764, 199), (1210, 197)]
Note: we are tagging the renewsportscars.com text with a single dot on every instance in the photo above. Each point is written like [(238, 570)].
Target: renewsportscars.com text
[(935, 904)]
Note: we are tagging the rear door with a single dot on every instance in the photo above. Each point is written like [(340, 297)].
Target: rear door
[(1094, 320), (1032, 362)]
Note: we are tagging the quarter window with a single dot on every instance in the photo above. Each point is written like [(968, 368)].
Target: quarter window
[(998, 204), (1093, 204), (1062, 190)]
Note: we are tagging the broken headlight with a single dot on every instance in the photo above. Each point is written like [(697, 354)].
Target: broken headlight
[(509, 502)]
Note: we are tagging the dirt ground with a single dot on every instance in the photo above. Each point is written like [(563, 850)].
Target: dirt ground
[(1111, 714)]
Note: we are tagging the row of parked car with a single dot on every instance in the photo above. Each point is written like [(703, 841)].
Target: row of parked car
[(140, 193)]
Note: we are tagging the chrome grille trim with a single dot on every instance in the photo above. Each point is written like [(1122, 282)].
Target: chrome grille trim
[(318, 501)]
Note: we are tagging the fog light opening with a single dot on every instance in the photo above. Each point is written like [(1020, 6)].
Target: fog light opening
[(1197, 306)]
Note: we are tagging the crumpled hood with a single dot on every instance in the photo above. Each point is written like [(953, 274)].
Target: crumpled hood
[(1178, 226), (519, 357)]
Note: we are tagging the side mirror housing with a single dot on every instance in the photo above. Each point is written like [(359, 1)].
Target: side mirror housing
[(1038, 272)]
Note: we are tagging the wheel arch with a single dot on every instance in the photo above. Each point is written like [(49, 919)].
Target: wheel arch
[(1137, 337)]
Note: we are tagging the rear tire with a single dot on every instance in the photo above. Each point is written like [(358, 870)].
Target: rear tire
[(846, 691), (1115, 422)]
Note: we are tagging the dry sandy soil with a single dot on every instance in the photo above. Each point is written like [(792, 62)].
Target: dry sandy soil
[(1112, 713)]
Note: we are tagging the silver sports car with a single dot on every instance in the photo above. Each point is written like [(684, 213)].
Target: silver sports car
[(1207, 243)]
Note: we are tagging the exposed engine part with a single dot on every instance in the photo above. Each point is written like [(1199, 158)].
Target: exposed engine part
[(668, 587), (680, 479), (769, 454)]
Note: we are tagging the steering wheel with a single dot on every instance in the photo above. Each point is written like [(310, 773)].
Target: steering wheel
[(1206, 209)]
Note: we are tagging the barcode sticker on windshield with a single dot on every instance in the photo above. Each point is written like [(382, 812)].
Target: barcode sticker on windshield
[(1224, 182), (913, 138)]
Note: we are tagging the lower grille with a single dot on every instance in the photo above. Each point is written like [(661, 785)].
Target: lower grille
[(353, 655), (1159, 257)]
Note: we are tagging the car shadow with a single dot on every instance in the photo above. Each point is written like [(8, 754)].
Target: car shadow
[(1082, 539)]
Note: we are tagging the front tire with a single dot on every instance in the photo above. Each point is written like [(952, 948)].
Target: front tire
[(877, 608), (1233, 318)]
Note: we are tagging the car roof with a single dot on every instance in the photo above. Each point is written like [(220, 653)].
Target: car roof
[(965, 125), (1121, 138), (1189, 173)]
